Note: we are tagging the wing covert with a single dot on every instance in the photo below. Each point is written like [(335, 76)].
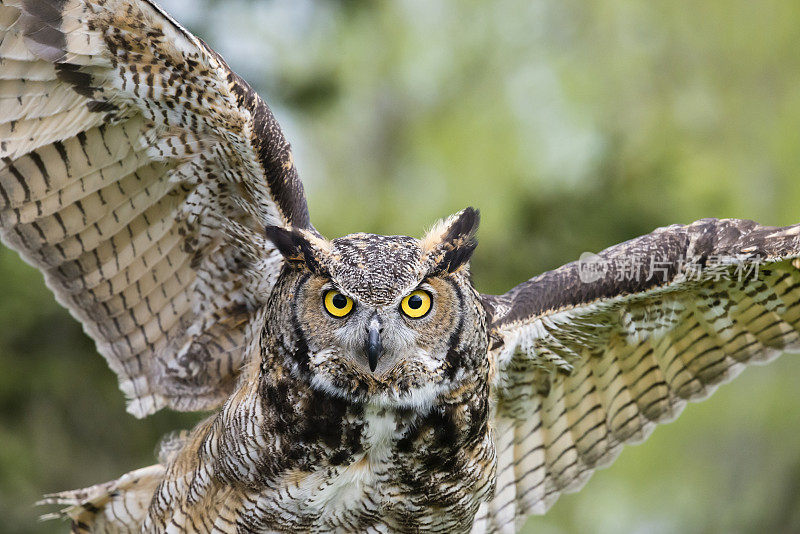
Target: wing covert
[(591, 356), (137, 171)]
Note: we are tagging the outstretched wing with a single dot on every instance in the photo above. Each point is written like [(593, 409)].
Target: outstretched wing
[(138, 172), (593, 355)]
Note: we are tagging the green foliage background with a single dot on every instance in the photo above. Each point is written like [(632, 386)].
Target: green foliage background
[(571, 125)]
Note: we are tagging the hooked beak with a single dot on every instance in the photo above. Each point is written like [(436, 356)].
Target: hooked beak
[(374, 346)]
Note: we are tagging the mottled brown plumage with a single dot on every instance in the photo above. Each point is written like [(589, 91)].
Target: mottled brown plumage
[(362, 384)]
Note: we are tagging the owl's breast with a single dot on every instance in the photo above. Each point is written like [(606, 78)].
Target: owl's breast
[(358, 486), (283, 457), (391, 487)]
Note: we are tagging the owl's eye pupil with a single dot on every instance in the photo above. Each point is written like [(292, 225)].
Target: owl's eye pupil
[(415, 302), (339, 301)]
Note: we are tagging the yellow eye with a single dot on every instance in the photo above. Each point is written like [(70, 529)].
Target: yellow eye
[(337, 304), (417, 304)]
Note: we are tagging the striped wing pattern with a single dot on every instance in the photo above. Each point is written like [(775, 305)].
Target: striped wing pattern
[(138, 172), (116, 507), (584, 367)]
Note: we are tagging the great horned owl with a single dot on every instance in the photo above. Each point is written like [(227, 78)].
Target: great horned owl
[(362, 384)]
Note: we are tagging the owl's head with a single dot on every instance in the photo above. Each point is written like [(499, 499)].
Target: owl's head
[(391, 320)]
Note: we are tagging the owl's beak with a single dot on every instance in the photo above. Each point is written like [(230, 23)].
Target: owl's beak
[(374, 345)]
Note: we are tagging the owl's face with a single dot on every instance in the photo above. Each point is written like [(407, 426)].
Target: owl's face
[(391, 320)]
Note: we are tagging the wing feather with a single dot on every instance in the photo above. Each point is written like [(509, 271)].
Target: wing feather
[(589, 362), (137, 172)]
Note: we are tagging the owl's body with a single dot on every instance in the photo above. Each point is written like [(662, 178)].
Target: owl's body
[(384, 454), (362, 384), (342, 468)]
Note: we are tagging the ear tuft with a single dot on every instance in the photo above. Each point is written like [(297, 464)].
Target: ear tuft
[(299, 248), (450, 243)]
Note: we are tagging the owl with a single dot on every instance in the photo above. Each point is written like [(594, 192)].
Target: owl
[(360, 384)]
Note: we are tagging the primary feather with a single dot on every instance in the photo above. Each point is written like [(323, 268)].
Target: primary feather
[(707, 299), (137, 171)]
